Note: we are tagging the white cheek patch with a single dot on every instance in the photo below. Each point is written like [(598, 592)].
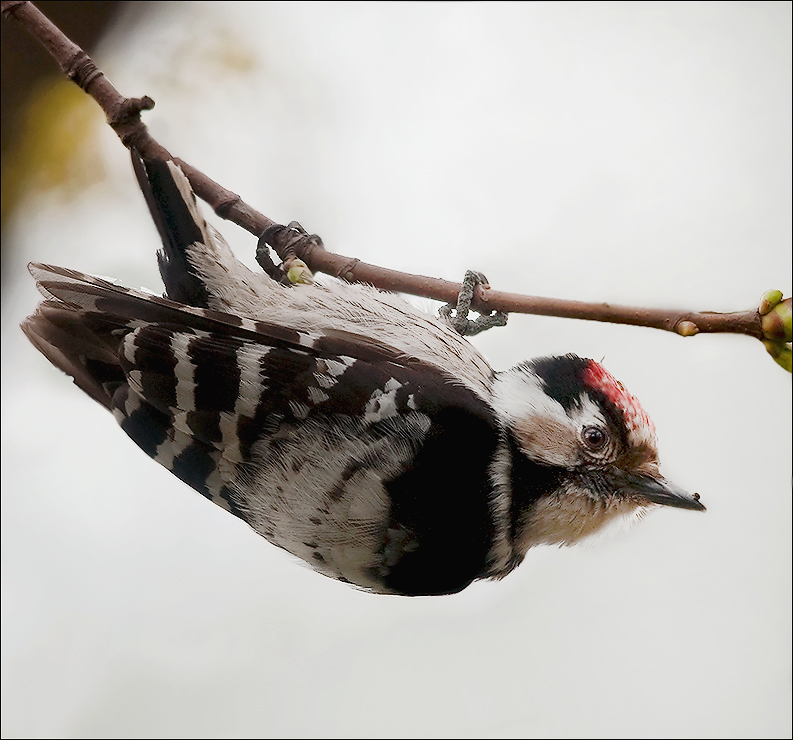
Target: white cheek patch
[(546, 432), (542, 427)]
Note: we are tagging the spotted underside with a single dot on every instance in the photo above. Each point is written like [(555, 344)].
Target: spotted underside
[(326, 444)]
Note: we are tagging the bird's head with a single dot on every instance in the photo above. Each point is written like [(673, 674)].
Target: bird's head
[(584, 451)]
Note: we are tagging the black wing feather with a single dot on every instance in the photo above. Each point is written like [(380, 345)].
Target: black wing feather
[(179, 223)]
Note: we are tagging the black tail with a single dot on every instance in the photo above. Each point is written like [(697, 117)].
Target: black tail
[(174, 210)]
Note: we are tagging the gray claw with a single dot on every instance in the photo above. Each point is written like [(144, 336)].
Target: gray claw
[(460, 322)]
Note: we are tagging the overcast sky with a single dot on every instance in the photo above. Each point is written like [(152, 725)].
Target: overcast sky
[(632, 153)]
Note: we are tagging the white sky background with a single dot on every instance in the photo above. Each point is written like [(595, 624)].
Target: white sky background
[(631, 153)]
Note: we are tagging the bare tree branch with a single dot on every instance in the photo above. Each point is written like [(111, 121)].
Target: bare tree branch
[(123, 115)]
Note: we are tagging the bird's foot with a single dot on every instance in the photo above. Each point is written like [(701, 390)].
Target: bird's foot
[(460, 321)]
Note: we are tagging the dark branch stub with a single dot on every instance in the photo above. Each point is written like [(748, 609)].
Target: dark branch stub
[(129, 109)]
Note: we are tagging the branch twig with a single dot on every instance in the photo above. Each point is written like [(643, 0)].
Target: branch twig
[(123, 115)]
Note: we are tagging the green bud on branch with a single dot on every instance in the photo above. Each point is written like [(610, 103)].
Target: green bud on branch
[(770, 299), (778, 322), (782, 354)]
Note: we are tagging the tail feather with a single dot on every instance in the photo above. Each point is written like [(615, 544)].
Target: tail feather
[(175, 212)]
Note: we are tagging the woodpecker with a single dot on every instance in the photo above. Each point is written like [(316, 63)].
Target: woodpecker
[(342, 424)]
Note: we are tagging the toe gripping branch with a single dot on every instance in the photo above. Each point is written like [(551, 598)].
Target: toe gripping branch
[(460, 321), (293, 239), (288, 241)]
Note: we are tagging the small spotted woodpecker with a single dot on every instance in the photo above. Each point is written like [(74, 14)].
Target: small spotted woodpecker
[(342, 424)]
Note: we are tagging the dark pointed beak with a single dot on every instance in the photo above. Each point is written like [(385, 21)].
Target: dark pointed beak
[(658, 491)]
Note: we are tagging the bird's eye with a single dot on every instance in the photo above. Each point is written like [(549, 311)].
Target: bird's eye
[(594, 438)]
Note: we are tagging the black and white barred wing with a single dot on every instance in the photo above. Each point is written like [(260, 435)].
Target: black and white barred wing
[(311, 439)]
